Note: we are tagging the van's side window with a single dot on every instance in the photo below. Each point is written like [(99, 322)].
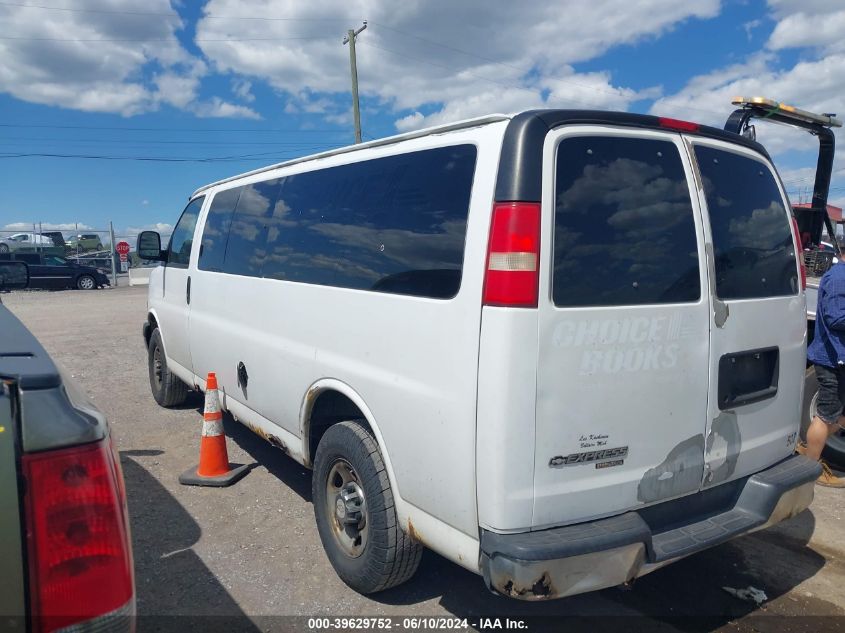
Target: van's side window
[(395, 224), (215, 232), (752, 236), (179, 249), (624, 226), (248, 234)]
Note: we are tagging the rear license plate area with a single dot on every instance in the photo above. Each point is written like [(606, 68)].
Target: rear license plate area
[(748, 377)]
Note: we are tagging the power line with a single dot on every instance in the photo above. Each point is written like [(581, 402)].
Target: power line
[(172, 39), (619, 94), (399, 31), (447, 46), (77, 10), (517, 68), (155, 159), (297, 144), (172, 14), (469, 74), (169, 129), (616, 93), (809, 179)]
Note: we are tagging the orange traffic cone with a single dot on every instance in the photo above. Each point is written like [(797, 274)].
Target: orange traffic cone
[(214, 468)]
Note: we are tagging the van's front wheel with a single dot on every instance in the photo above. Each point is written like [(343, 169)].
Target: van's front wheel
[(356, 518), (168, 390)]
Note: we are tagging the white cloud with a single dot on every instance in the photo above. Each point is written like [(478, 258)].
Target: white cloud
[(103, 61), (130, 232), (821, 30), (750, 26), (178, 89), (69, 228), (814, 83), (427, 54), (65, 61), (585, 90), (305, 101), (47, 226), (243, 89), (216, 107), (811, 85)]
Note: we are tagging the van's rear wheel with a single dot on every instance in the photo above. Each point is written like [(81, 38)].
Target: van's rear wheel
[(356, 518), (168, 390)]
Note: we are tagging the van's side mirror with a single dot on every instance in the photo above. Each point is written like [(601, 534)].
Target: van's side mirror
[(13, 275), (149, 246)]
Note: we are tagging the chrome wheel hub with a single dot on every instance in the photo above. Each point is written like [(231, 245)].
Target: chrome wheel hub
[(347, 508)]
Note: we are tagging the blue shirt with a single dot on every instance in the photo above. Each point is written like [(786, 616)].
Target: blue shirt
[(828, 346)]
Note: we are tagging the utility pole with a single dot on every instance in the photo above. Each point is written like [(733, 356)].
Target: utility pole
[(351, 34), (113, 266)]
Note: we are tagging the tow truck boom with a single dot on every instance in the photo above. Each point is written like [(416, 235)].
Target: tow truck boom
[(818, 125)]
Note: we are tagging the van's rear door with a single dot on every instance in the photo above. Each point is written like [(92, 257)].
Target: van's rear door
[(624, 318), (758, 337)]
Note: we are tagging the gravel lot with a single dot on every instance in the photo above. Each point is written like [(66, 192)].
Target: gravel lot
[(252, 550)]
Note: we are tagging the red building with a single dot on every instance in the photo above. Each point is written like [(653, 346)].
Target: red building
[(835, 213)]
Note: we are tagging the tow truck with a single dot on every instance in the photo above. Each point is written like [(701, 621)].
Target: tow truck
[(812, 221)]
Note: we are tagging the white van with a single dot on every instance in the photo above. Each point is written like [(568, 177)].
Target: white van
[(562, 348)]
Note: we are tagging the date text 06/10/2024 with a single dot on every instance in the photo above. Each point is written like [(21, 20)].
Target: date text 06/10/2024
[(416, 624)]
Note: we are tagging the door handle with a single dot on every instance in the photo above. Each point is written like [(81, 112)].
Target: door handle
[(188, 292)]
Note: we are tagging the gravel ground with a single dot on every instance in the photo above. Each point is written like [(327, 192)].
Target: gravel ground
[(252, 551)]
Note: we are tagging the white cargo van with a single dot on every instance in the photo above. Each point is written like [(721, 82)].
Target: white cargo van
[(562, 348)]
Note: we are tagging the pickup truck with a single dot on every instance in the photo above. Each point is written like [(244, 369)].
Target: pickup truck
[(64, 527)]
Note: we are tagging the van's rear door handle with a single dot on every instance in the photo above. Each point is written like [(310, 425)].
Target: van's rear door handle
[(188, 292)]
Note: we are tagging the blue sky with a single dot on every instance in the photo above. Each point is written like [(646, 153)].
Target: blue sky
[(204, 90)]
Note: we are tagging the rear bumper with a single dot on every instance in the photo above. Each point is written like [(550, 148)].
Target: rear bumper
[(608, 552)]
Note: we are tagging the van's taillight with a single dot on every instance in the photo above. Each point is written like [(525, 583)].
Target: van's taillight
[(80, 561), (800, 252), (513, 255), (677, 124)]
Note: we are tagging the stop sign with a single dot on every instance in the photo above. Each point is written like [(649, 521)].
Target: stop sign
[(122, 248)]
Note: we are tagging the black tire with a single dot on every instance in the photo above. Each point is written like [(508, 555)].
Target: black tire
[(86, 282), (4, 248), (834, 450), (168, 390), (389, 556)]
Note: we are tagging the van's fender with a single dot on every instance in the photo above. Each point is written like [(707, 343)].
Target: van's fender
[(151, 312), (420, 525), (181, 372), (333, 384)]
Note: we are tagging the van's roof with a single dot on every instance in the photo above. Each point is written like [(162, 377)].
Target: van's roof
[(519, 173)]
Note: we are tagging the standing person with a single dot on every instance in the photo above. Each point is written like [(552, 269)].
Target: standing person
[(827, 353)]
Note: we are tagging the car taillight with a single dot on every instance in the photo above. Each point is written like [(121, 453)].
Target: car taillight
[(513, 255), (800, 252), (80, 559)]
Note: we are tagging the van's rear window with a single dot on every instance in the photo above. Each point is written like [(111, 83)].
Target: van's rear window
[(624, 226), (752, 236)]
